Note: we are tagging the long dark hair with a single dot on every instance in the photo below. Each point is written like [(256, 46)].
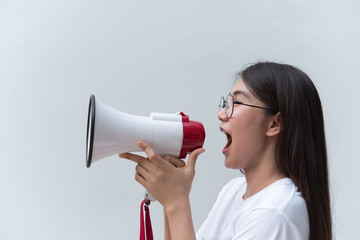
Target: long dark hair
[(301, 149)]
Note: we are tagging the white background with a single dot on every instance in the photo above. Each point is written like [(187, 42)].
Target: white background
[(154, 56)]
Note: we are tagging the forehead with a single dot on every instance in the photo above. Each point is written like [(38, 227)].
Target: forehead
[(240, 89)]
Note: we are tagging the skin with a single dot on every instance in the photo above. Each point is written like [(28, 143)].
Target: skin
[(170, 185), (254, 135)]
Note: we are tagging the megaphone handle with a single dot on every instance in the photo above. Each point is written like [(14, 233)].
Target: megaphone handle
[(149, 196)]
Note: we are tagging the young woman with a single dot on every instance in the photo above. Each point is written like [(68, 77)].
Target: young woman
[(274, 125)]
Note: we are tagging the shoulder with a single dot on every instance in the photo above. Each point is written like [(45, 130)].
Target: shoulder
[(280, 204), (278, 195), (265, 223)]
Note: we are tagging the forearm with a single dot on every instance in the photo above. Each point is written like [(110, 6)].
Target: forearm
[(167, 235), (180, 221)]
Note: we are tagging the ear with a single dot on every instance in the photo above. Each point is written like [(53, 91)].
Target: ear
[(275, 125)]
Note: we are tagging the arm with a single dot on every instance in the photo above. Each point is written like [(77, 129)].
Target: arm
[(167, 235), (170, 186), (177, 163), (180, 221)]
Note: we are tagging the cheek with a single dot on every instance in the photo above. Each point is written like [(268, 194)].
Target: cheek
[(247, 129), (247, 142)]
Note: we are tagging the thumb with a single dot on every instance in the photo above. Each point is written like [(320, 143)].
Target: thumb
[(193, 156)]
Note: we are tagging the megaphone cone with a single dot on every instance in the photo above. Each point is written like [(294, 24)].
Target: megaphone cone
[(110, 132)]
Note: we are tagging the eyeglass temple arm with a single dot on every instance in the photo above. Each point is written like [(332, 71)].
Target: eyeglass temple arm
[(269, 109)]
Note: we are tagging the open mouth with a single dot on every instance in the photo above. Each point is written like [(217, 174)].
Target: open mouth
[(229, 141)]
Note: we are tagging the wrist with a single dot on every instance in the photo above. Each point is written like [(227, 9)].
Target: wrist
[(179, 220), (181, 205)]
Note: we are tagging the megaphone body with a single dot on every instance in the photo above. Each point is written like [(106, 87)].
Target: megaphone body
[(110, 132)]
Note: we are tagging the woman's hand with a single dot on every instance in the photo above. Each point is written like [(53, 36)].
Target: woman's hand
[(167, 178)]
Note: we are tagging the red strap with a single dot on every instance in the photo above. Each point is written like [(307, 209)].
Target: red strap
[(149, 233), (142, 227), (145, 225)]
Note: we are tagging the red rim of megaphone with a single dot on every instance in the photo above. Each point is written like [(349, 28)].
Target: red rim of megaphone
[(90, 131)]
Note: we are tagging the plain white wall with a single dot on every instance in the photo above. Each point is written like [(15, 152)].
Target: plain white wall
[(162, 56)]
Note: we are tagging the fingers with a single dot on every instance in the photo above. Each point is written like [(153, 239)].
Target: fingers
[(152, 155), (140, 179), (153, 161), (193, 156), (132, 157), (144, 162), (143, 172), (158, 161), (176, 162)]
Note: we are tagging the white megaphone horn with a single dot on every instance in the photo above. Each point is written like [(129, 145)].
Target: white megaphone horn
[(111, 132)]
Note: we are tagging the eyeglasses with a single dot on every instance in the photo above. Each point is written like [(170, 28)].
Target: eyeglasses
[(229, 102)]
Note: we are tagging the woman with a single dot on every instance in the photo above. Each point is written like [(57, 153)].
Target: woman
[(274, 124)]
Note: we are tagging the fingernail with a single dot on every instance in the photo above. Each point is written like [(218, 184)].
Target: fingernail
[(141, 144)]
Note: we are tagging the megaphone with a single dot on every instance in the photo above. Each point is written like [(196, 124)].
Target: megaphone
[(110, 132)]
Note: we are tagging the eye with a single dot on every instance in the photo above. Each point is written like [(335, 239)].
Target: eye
[(227, 106)]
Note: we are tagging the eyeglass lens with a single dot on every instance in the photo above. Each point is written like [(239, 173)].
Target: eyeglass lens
[(227, 104), (221, 104)]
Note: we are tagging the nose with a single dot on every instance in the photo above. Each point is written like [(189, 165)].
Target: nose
[(222, 115)]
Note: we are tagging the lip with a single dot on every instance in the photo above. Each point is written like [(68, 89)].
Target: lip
[(229, 140)]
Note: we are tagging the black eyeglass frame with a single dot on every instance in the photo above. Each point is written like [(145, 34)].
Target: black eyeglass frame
[(223, 102)]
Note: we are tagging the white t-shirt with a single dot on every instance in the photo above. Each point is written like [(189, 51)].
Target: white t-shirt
[(276, 212)]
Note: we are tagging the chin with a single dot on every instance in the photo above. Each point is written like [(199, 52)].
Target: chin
[(231, 163), (234, 163)]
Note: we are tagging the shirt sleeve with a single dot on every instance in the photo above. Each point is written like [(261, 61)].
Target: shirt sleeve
[(263, 224)]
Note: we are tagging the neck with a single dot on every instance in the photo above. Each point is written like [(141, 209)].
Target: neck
[(263, 173)]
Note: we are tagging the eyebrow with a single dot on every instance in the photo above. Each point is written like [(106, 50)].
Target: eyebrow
[(240, 92)]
